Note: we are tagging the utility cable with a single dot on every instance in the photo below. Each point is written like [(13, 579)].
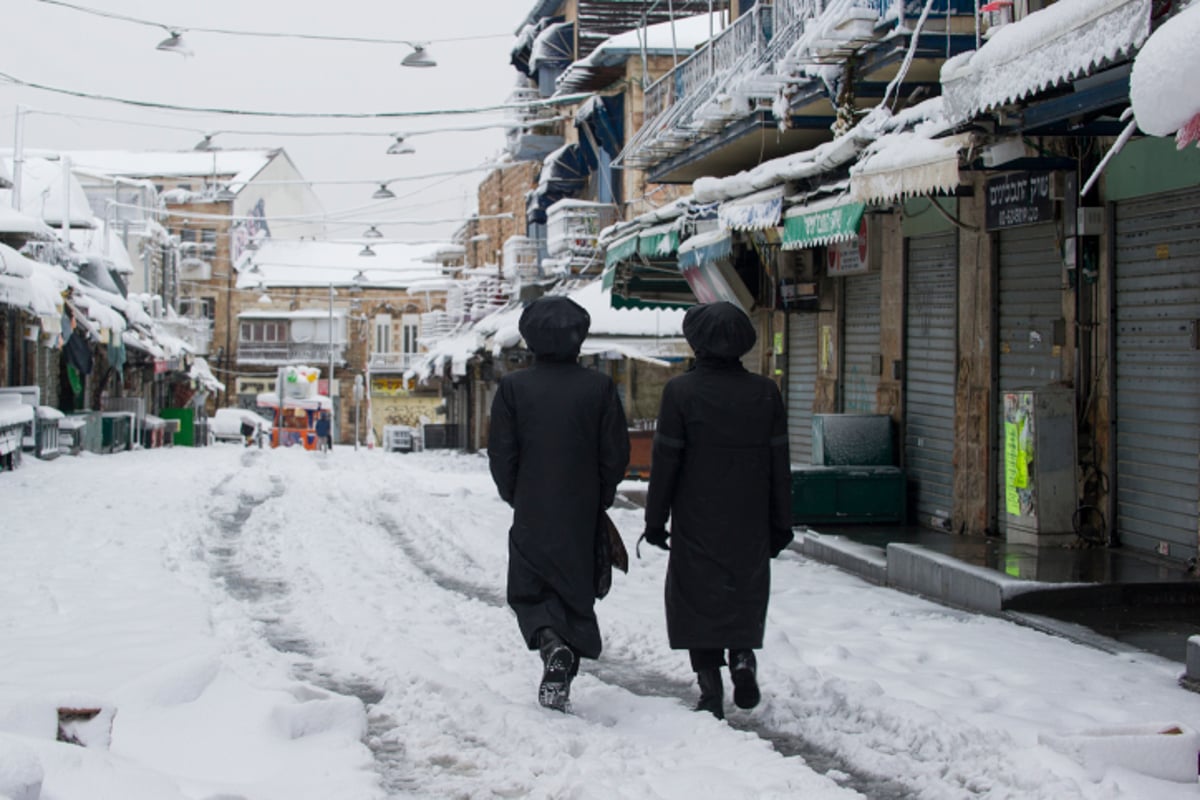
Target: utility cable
[(236, 112), (263, 34)]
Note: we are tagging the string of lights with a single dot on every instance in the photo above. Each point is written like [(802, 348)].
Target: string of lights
[(263, 34)]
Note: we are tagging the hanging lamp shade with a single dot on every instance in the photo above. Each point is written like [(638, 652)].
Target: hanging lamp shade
[(372, 233), (383, 193), (400, 147), (419, 57), (174, 44), (367, 251)]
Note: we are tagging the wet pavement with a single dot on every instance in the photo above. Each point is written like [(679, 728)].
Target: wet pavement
[(1143, 602)]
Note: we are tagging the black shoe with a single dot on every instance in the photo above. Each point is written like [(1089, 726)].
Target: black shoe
[(712, 692), (560, 666), (744, 669)]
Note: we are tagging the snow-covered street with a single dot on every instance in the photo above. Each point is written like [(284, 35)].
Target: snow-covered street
[(286, 625)]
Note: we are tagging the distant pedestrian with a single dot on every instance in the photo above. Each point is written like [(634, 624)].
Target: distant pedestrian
[(324, 437), (558, 446), (720, 474), (248, 429)]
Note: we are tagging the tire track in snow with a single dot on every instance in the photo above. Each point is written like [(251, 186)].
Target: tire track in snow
[(265, 596), (633, 678)]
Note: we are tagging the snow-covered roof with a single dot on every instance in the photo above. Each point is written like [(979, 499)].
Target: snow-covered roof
[(307, 262), (689, 33), (16, 222), (1058, 43), (1163, 87), (42, 194), (238, 165)]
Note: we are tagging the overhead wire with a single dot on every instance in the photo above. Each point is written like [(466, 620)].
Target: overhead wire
[(549, 102), (264, 34)]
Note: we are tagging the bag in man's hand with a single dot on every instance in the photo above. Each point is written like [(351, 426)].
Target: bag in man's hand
[(610, 552)]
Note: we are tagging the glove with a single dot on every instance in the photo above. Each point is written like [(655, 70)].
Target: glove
[(780, 539), (655, 536)]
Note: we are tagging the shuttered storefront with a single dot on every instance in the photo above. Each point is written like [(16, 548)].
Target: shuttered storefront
[(1158, 372), (1030, 297), (929, 358), (861, 351), (801, 384)]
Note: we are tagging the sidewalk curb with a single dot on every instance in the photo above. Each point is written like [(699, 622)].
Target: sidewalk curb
[(946, 580)]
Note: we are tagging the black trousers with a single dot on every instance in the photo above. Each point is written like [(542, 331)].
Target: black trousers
[(706, 658)]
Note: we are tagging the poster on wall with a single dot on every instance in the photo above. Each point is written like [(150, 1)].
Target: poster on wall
[(849, 257), (1018, 455)]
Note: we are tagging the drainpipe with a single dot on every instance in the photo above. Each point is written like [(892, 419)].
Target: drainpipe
[(1114, 537)]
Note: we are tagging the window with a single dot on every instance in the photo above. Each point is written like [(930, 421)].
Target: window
[(264, 331), (198, 307), (383, 333), (409, 327)]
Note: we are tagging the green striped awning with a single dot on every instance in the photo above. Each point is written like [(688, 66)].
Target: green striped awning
[(621, 249), (659, 241), (804, 228)]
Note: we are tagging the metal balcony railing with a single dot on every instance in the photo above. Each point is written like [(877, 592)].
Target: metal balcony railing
[(393, 361), (279, 353)]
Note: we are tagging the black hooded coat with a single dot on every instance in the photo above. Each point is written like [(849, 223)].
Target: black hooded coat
[(557, 448), (720, 472)]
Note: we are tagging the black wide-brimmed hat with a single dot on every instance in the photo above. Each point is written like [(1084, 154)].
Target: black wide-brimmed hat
[(719, 330), (554, 326)]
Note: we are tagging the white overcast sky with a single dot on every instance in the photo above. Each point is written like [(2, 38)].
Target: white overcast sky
[(80, 52)]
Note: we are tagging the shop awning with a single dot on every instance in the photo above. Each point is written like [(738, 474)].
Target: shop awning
[(661, 352), (1061, 42), (907, 164), (804, 227), (636, 284), (661, 241), (621, 249), (601, 126), (706, 263), (752, 212), (705, 248), (564, 174), (553, 47)]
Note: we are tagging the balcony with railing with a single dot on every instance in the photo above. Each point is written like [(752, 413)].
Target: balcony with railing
[(393, 362), (282, 353), (740, 72), (573, 231)]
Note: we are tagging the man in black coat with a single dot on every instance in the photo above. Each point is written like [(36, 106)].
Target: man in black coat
[(721, 474), (558, 446)]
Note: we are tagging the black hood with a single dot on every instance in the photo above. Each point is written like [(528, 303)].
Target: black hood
[(718, 330), (554, 326)]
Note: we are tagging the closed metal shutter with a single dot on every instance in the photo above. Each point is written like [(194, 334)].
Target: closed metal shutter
[(801, 384), (861, 353), (930, 355), (1158, 372), (1030, 296)]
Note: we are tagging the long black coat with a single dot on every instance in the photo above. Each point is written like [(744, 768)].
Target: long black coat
[(720, 471), (557, 448)]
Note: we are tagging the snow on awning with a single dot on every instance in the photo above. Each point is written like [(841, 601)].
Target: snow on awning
[(621, 249), (905, 164), (659, 241), (1058, 43), (660, 352), (707, 247), (752, 212), (1163, 88), (136, 340), (821, 224)]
